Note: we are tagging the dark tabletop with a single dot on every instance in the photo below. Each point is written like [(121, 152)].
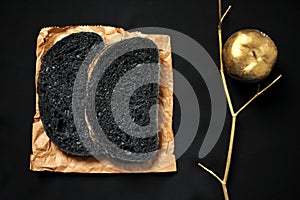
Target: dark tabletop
[(266, 152)]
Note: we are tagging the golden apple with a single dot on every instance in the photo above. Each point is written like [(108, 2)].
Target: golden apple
[(249, 55)]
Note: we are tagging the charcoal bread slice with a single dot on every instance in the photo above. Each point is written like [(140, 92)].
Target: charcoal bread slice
[(125, 133), (59, 67)]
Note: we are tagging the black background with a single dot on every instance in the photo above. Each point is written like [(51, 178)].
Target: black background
[(266, 152)]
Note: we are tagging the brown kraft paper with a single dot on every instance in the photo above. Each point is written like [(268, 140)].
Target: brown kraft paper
[(47, 157)]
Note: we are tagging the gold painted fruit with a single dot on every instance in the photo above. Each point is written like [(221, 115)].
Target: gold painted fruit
[(249, 55)]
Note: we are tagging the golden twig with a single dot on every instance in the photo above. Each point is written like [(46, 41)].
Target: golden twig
[(230, 105), (225, 13), (229, 153), (221, 17), (259, 92), (211, 172)]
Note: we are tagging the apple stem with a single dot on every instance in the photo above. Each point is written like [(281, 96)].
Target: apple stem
[(254, 55)]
